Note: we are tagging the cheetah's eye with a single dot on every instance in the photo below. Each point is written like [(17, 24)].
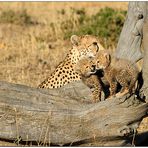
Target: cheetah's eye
[(95, 43)]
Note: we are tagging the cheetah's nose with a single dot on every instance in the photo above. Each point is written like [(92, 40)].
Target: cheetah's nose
[(93, 67)]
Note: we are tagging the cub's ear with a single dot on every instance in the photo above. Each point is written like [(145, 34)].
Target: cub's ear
[(108, 57), (77, 69), (74, 40)]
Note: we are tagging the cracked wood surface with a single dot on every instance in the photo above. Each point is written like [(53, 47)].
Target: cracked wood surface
[(50, 117)]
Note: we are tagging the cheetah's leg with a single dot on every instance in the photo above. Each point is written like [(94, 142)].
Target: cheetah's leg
[(96, 96), (124, 83), (132, 86), (113, 88), (96, 93)]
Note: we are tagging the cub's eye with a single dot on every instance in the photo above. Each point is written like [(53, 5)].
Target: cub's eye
[(98, 61)]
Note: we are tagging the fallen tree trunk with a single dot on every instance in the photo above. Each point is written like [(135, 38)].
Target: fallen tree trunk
[(65, 116), (47, 116)]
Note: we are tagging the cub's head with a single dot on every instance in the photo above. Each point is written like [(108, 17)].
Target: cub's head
[(102, 59), (85, 67), (87, 45)]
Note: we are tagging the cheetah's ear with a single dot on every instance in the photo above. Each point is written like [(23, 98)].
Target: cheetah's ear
[(108, 57), (77, 69), (74, 40)]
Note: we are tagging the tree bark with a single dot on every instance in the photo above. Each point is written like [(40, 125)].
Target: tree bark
[(129, 45), (145, 46), (65, 116)]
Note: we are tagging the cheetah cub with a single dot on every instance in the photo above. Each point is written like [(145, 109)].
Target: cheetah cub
[(86, 70), (117, 71)]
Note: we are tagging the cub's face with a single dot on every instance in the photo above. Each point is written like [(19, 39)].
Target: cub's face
[(85, 67), (86, 45), (102, 60)]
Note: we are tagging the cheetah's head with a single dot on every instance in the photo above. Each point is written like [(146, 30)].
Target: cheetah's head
[(102, 60), (87, 45)]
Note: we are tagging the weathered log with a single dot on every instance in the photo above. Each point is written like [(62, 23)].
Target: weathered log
[(52, 116), (65, 116)]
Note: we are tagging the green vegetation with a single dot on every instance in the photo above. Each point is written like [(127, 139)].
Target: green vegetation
[(17, 18), (107, 24)]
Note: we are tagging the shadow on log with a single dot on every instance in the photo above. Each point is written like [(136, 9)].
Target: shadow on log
[(61, 117)]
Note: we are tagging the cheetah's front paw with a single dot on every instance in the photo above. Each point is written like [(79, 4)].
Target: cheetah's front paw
[(120, 94)]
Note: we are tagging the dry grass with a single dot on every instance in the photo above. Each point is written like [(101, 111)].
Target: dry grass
[(25, 54), (30, 54)]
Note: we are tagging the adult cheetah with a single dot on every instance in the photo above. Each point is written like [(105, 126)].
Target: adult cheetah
[(82, 46)]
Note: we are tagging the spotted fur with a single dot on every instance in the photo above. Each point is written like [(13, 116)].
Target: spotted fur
[(85, 68)]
